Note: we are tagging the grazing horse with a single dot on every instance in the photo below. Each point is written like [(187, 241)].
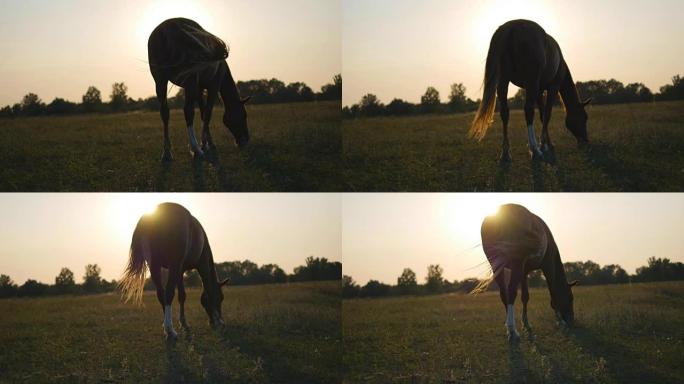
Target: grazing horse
[(182, 52), (171, 241), (516, 242), (521, 52)]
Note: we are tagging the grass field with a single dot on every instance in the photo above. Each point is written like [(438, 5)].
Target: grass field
[(274, 334), (294, 147), (624, 334), (635, 147)]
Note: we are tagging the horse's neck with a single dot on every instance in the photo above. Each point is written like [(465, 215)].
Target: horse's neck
[(229, 90), (553, 270), (568, 91)]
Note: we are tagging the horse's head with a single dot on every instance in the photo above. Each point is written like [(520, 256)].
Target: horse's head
[(576, 122), (561, 303), (235, 120), (211, 301)]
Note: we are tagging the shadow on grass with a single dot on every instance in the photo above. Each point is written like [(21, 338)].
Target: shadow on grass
[(622, 365), (601, 155), (275, 365), (538, 176), (178, 371)]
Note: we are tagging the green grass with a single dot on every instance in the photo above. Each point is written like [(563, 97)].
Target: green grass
[(624, 334), (635, 147), (273, 334), (294, 147)]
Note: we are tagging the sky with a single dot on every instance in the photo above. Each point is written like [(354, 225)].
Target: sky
[(384, 233), (41, 233), (397, 48), (59, 48)]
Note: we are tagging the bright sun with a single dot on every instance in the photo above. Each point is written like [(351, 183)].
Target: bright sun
[(464, 216), (161, 10), (126, 210), (492, 14)]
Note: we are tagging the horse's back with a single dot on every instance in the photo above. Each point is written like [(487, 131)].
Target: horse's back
[(167, 232), (515, 233)]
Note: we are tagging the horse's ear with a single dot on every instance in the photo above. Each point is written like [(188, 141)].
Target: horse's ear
[(224, 282), (587, 101), (244, 100), (572, 284)]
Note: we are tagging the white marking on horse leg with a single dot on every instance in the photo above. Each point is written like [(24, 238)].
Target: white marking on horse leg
[(168, 322), (193, 140), (532, 138), (510, 322)]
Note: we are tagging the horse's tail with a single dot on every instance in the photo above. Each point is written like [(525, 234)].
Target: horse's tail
[(483, 117), (484, 284), (133, 280)]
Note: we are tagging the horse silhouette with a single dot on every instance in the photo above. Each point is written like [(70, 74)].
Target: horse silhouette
[(516, 242), (171, 241), (521, 52), (182, 52)]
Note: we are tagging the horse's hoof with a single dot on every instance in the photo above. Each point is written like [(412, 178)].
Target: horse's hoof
[(513, 337), (166, 157), (505, 158), (536, 155), (171, 336), (198, 155)]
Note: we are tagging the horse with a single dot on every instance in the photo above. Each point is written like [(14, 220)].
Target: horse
[(516, 242), (521, 52), (171, 241), (182, 52)]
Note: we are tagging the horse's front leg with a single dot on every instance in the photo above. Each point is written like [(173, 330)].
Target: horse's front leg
[(207, 141)]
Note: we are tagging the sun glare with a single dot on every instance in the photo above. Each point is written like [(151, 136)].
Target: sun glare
[(126, 210), (492, 14), (464, 216), (161, 10)]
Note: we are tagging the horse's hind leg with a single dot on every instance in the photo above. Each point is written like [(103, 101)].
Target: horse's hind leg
[(169, 285), (511, 293), (547, 147), (525, 297), (502, 94), (181, 301), (189, 111), (164, 112), (207, 141), (531, 94)]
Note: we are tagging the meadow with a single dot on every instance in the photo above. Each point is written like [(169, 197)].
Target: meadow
[(274, 334), (634, 147), (624, 334), (294, 147)]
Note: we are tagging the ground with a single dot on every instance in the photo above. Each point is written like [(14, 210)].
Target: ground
[(294, 147), (624, 334), (635, 147), (273, 334)]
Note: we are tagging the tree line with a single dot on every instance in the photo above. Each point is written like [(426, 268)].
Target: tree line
[(238, 272), (261, 92), (586, 273), (601, 91)]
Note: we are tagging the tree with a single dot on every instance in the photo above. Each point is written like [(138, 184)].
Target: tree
[(674, 91), (64, 282), (33, 288), (7, 287), (119, 98), (430, 100), (407, 281), (31, 105), (457, 98), (92, 99), (375, 288), (349, 287), (399, 107), (332, 91), (434, 279), (370, 105), (92, 280), (59, 106)]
